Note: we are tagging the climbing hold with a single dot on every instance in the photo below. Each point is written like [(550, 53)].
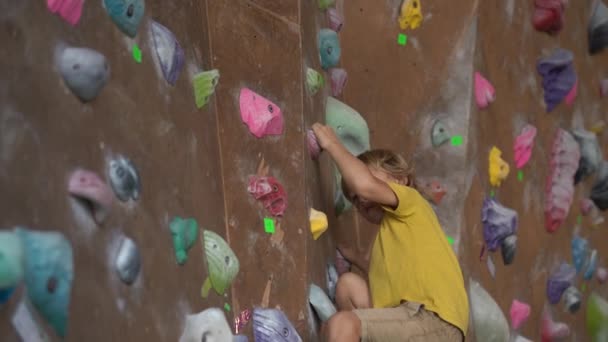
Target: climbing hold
[(519, 313), (270, 192), (559, 281), (204, 84), (318, 223), (598, 28), (599, 192), (439, 134), (597, 318), (69, 10), (329, 48), (241, 320), (124, 179), (410, 15), (184, 233), (92, 192), (571, 96), (591, 265), (572, 299), (5, 294), (550, 330), (580, 252), (559, 190), (484, 91), (523, 145), (549, 15), (338, 79), (11, 260), (136, 53), (499, 222), (126, 14), (262, 116), (84, 71), (48, 271), (499, 169), (402, 39), (601, 274), (488, 320), (168, 51), (559, 77), (128, 261), (271, 325), (491, 266), (222, 264), (519, 338), (432, 190), (321, 303), (353, 132), (335, 19), (342, 265), (508, 247), (314, 81), (598, 127), (591, 155), (324, 4), (313, 145), (207, 325), (332, 280)]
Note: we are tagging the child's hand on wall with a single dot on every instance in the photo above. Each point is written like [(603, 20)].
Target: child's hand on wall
[(326, 136)]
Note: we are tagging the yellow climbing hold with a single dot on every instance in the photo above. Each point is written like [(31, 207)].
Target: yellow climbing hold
[(411, 14), (598, 127), (499, 169), (318, 223)]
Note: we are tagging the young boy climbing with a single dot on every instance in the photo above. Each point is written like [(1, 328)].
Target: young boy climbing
[(416, 289)]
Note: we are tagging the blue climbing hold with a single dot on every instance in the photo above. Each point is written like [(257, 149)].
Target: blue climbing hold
[(48, 275), (329, 48), (580, 251), (126, 14), (5, 294)]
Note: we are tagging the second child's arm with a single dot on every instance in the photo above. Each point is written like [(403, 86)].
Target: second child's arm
[(356, 174)]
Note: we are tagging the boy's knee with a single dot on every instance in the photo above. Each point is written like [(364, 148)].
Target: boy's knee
[(344, 326), (347, 281)]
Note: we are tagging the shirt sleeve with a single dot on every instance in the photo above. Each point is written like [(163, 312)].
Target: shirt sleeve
[(407, 198)]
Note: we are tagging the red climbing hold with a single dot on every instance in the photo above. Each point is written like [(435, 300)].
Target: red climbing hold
[(549, 15), (270, 192)]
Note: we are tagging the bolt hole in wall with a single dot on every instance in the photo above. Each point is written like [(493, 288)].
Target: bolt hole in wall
[(58, 268)]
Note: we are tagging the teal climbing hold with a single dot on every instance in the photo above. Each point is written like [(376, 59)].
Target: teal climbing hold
[(184, 233), (126, 14), (48, 270), (11, 260), (439, 134), (329, 48)]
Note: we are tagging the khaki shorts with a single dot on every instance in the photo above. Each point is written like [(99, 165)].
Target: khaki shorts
[(407, 322)]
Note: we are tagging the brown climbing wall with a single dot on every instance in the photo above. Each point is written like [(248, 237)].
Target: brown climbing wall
[(193, 163)]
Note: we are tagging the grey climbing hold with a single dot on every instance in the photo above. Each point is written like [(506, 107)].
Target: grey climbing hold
[(128, 261), (572, 299), (591, 155), (439, 134), (84, 71), (599, 192), (508, 247), (332, 280), (124, 179), (321, 303)]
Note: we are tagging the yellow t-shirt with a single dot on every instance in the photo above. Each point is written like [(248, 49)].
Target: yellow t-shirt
[(412, 260)]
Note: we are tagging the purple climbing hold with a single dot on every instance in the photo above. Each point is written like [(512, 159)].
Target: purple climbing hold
[(499, 222), (559, 77), (559, 281), (271, 325), (168, 51)]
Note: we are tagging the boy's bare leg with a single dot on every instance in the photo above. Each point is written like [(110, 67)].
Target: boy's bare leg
[(352, 293), (344, 326)]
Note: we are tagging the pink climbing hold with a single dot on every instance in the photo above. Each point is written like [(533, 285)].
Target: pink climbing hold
[(313, 146), (552, 331), (270, 192), (519, 313), (586, 206), (601, 274), (559, 191), (523, 145), (338, 78), (484, 91), (571, 96), (342, 265), (69, 10), (604, 87), (262, 116), (335, 19), (94, 192)]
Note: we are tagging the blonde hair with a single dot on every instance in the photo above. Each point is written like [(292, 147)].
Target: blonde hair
[(390, 162)]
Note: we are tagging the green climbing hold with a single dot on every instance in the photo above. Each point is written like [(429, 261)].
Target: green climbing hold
[(222, 263), (492, 193), (314, 81), (204, 86), (324, 4), (450, 240), (520, 175), (402, 39), (136, 53), (184, 233), (11, 260), (457, 140), (227, 307), (597, 318), (269, 225)]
